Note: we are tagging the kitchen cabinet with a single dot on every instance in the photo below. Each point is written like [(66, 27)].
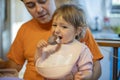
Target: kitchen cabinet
[(115, 44)]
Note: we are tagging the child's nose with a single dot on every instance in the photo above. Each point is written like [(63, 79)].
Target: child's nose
[(57, 30)]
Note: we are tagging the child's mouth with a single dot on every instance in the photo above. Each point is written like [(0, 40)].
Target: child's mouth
[(54, 39), (58, 40), (60, 37)]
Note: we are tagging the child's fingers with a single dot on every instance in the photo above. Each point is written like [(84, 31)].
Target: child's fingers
[(41, 44), (79, 76)]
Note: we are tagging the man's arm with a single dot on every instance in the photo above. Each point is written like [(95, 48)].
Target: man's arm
[(96, 70)]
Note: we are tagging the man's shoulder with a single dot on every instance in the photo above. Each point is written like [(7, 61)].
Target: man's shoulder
[(29, 24), (25, 26), (31, 21)]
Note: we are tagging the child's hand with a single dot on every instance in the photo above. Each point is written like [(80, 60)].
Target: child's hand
[(41, 44), (79, 76)]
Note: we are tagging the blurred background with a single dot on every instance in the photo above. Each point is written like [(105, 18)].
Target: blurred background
[(103, 17)]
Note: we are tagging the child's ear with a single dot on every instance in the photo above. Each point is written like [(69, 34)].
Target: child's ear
[(79, 30)]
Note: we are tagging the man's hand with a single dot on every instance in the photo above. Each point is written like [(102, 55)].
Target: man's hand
[(84, 75), (9, 64)]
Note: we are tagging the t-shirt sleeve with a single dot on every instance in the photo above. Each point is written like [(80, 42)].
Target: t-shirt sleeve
[(93, 46), (16, 52), (85, 60)]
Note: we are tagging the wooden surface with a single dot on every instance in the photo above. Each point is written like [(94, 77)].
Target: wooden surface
[(108, 42)]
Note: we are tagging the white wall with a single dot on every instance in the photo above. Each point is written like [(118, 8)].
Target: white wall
[(19, 15)]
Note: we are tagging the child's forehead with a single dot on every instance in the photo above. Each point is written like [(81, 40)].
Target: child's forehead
[(58, 16)]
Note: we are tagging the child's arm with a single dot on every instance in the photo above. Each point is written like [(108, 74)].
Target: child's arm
[(85, 65), (44, 49), (40, 46)]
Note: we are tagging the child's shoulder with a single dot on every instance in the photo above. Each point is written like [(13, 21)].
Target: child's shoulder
[(79, 43)]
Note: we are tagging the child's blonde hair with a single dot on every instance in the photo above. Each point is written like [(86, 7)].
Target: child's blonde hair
[(73, 15)]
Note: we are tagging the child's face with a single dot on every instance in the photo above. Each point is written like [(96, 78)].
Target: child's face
[(63, 29)]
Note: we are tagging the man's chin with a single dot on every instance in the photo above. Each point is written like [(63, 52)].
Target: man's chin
[(44, 21)]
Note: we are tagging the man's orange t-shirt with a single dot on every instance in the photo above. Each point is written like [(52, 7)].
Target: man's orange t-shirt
[(24, 46)]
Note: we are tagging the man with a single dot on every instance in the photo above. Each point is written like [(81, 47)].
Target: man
[(38, 28)]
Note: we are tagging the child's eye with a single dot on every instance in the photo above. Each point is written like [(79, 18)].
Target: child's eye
[(30, 5), (54, 25), (64, 27)]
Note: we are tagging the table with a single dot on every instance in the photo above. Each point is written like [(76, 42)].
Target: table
[(115, 44)]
